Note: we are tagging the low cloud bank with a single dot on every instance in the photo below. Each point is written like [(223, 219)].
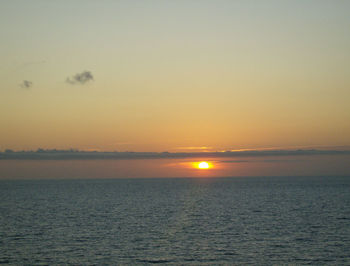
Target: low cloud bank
[(41, 154)]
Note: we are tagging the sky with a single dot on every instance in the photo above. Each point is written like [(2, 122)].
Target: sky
[(174, 75)]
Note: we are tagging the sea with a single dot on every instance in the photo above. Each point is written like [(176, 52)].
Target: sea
[(176, 221)]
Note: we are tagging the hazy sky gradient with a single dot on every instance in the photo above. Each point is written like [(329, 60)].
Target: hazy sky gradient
[(169, 74)]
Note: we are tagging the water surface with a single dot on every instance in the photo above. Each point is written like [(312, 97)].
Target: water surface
[(263, 220)]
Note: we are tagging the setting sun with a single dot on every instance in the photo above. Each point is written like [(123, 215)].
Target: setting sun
[(203, 165)]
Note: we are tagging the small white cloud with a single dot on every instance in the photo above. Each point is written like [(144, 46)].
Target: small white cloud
[(26, 84), (80, 78)]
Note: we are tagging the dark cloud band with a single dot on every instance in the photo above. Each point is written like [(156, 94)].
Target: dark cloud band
[(81, 155)]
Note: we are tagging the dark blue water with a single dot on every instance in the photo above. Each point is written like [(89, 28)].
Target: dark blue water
[(263, 220)]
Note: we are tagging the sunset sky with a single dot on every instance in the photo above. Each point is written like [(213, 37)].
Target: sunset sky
[(174, 76)]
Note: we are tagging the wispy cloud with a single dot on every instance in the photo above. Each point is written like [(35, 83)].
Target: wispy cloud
[(123, 143), (80, 78), (31, 63), (27, 64), (299, 147), (202, 148), (26, 84), (258, 161)]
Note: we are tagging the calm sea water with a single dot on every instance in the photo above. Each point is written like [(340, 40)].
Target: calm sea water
[(294, 220)]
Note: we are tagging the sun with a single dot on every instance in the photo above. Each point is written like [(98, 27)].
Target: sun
[(203, 165)]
